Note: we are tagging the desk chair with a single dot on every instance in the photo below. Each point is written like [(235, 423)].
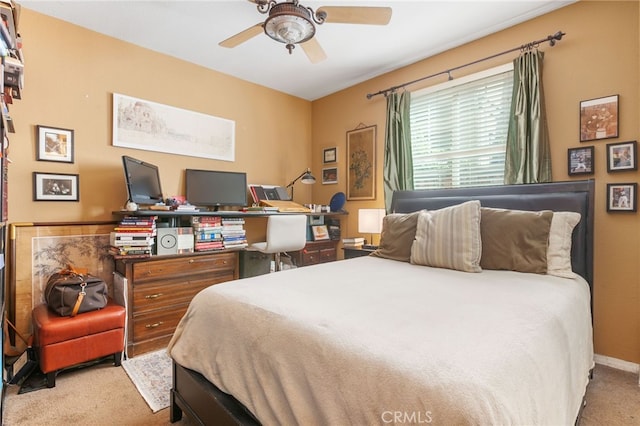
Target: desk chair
[(285, 232)]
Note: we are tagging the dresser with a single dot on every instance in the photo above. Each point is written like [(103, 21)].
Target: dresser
[(160, 288), (316, 252)]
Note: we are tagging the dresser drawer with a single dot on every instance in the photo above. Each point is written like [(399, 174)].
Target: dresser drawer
[(151, 296), (178, 266), (328, 255), (154, 324)]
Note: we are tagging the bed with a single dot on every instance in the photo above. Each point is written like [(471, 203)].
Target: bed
[(447, 335)]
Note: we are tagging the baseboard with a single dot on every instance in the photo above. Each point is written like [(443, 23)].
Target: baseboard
[(619, 364)]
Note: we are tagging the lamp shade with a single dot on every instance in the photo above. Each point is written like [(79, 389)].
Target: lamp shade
[(370, 221)]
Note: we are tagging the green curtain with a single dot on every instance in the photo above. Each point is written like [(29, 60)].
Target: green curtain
[(398, 161), (528, 157)]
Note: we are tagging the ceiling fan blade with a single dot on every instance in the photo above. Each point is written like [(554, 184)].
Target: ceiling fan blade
[(357, 15), (242, 36), (314, 51)]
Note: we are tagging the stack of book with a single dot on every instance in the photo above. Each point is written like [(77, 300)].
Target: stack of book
[(355, 242), (133, 237), (207, 233), (233, 233)]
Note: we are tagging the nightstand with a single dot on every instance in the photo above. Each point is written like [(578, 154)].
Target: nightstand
[(350, 253)]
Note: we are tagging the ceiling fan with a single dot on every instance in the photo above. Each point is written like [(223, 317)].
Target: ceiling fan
[(291, 23)]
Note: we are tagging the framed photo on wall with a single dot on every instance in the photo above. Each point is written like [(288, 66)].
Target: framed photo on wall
[(329, 155), (621, 197), (622, 156), (54, 144), (361, 163), (581, 160), (55, 187), (329, 175), (599, 118)]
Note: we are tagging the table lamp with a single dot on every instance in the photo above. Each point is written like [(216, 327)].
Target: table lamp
[(307, 178), (370, 222)]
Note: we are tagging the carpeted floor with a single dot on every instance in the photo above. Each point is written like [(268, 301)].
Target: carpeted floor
[(104, 395)]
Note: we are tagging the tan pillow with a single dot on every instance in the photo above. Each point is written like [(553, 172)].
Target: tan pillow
[(560, 241), (515, 240), (398, 232), (449, 238)]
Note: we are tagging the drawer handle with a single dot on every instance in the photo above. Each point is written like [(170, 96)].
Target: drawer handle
[(191, 260), (153, 296), (154, 325)]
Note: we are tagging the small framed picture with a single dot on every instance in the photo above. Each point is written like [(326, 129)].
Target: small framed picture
[(580, 161), (54, 144), (320, 232), (621, 197), (622, 156), (599, 118), (329, 175), (55, 187), (330, 155)]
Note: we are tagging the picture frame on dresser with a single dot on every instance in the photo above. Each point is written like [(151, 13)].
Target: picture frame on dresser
[(54, 144)]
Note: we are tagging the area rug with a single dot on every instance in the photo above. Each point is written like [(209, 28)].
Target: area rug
[(151, 374)]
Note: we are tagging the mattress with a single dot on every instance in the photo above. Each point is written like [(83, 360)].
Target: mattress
[(377, 341)]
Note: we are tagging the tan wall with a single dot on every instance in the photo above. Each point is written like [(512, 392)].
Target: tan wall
[(72, 72), (597, 57), (70, 75)]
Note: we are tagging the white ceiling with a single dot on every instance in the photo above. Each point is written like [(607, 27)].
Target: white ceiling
[(191, 30)]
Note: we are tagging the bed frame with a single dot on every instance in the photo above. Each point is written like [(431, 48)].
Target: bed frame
[(207, 404)]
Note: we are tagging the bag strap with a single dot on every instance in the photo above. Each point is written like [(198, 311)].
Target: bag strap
[(81, 295), (73, 270)]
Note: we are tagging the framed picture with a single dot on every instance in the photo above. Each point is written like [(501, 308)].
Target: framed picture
[(54, 144), (599, 118), (622, 156), (580, 161), (621, 197), (329, 155), (361, 163), (55, 187), (320, 232), (329, 175)]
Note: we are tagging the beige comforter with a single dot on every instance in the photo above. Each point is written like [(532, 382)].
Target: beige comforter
[(373, 341)]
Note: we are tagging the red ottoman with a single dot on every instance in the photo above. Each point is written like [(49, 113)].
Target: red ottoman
[(62, 342)]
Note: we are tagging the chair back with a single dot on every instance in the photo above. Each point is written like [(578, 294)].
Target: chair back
[(286, 232)]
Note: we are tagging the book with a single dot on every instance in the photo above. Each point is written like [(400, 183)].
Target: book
[(353, 240)]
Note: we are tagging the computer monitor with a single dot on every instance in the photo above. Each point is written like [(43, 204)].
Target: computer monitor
[(212, 188), (143, 181)]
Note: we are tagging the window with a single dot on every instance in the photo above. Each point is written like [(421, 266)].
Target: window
[(459, 130)]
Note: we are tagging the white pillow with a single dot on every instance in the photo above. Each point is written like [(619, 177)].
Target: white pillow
[(449, 238), (559, 250)]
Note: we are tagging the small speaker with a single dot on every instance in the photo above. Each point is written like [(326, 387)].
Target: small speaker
[(167, 241)]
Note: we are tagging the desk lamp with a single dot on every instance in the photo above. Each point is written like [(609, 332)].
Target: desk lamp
[(370, 221), (307, 178)]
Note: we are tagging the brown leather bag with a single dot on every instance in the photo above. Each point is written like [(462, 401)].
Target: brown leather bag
[(70, 292)]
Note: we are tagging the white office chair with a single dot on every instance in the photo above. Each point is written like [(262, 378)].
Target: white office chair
[(285, 232)]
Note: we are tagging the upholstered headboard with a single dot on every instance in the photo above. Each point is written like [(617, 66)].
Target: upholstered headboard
[(574, 196)]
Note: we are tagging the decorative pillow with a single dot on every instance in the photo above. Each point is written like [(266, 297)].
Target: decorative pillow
[(560, 240), (449, 238), (515, 240), (398, 232)]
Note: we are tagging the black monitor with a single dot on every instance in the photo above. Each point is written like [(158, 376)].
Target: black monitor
[(211, 188), (143, 181)]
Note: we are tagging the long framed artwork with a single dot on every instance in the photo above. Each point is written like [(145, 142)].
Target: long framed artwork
[(599, 118), (142, 124), (361, 163), (37, 250)]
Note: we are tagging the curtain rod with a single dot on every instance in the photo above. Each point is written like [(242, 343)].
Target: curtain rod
[(551, 39)]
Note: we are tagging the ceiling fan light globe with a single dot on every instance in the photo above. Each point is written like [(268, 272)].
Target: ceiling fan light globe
[(289, 24)]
